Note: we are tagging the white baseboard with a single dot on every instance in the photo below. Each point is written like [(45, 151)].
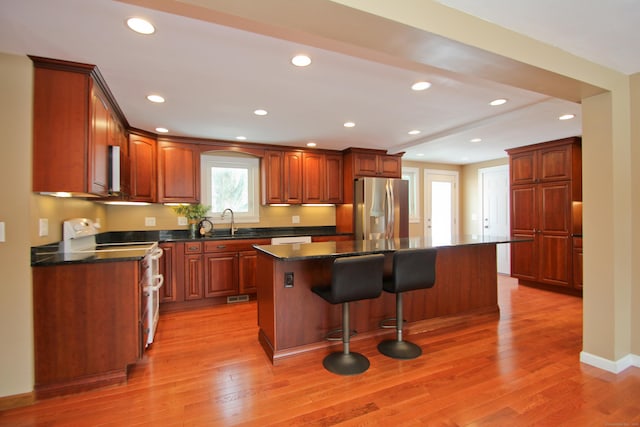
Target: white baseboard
[(615, 366)]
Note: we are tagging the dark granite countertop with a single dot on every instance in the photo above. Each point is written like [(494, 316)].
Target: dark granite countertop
[(51, 255), (295, 252)]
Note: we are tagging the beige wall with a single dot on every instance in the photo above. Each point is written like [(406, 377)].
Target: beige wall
[(16, 327), (635, 213), (121, 218)]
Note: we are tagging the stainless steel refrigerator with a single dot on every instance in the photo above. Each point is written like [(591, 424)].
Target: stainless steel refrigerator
[(381, 208)]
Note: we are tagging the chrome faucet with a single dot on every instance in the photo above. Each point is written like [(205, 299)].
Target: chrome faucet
[(233, 224)]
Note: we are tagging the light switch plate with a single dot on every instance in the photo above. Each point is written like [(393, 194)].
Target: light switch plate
[(43, 227), (182, 220), (295, 219), (150, 221), (2, 231)]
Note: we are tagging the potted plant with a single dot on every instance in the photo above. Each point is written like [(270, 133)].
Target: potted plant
[(193, 213)]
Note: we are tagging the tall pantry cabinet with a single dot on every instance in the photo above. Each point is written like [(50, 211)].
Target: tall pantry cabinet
[(546, 186)]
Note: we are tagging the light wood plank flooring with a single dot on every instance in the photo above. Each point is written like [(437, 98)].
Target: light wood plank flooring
[(207, 369)]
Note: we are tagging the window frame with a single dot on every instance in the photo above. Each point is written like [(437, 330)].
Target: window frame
[(412, 175), (251, 164)]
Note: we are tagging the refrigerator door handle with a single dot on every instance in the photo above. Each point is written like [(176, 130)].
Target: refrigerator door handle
[(390, 210)]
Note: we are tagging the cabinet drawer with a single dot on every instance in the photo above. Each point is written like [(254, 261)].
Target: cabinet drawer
[(233, 245), (193, 247)]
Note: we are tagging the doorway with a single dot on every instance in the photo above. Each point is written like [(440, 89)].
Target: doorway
[(440, 205), (494, 191)]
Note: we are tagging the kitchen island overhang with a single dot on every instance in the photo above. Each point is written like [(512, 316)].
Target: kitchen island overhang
[(292, 319)]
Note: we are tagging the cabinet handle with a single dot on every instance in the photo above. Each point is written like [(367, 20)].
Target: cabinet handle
[(221, 246), (194, 248)]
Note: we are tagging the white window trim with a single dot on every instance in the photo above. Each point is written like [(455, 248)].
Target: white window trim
[(253, 166), (413, 175)]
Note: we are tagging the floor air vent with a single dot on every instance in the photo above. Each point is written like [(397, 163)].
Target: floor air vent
[(237, 298)]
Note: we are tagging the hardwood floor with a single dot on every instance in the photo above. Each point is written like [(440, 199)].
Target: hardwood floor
[(206, 368)]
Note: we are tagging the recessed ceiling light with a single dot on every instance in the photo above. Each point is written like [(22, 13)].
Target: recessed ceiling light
[(311, 144), (414, 132), (241, 137), (155, 98), (301, 60), (422, 85), (260, 112), (476, 140), (566, 117), (420, 155), (497, 102), (162, 130), (349, 124), (141, 26)]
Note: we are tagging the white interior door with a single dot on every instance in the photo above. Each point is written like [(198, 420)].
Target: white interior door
[(441, 205), (494, 187)]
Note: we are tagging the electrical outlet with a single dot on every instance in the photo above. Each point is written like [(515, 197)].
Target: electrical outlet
[(288, 279), (150, 221), (43, 227), (2, 239), (182, 220), (295, 219)]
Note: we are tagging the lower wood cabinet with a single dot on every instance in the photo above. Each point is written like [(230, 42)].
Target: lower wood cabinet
[(207, 271)]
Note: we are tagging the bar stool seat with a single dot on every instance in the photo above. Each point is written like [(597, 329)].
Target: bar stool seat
[(353, 278), (412, 269)]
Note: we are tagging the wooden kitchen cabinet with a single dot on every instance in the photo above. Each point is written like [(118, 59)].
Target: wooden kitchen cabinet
[(281, 177), (220, 274), (545, 180), (178, 172), (87, 325), (577, 262), (193, 271), (142, 168), (75, 120), (322, 178), (168, 267), (247, 264)]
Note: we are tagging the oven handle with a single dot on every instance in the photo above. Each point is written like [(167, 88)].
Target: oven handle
[(160, 281), (156, 254)]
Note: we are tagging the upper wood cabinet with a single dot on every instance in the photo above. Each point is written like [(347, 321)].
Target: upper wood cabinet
[(281, 177), (322, 178), (556, 162), (178, 172), (75, 122), (142, 168), (376, 164)]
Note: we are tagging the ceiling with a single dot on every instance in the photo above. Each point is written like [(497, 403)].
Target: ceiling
[(213, 77)]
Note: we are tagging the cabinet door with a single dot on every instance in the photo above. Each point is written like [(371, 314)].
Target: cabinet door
[(221, 274), (389, 166), (168, 269), (365, 164), (178, 172), (577, 263), (193, 277), (522, 167), (142, 158), (524, 209), (272, 174), (314, 177), (524, 257), (247, 263), (555, 163), (554, 259), (333, 178), (292, 184), (99, 145)]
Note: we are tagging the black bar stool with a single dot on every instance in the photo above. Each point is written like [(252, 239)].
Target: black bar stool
[(412, 269), (352, 279)]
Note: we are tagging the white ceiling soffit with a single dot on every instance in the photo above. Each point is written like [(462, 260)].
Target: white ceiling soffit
[(213, 77), (602, 31)]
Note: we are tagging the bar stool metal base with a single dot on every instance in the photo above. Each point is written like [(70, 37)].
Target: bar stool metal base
[(346, 363), (399, 349)]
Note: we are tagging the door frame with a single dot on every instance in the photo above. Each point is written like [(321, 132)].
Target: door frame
[(455, 200)]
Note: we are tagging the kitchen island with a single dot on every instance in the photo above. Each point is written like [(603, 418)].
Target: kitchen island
[(292, 319)]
